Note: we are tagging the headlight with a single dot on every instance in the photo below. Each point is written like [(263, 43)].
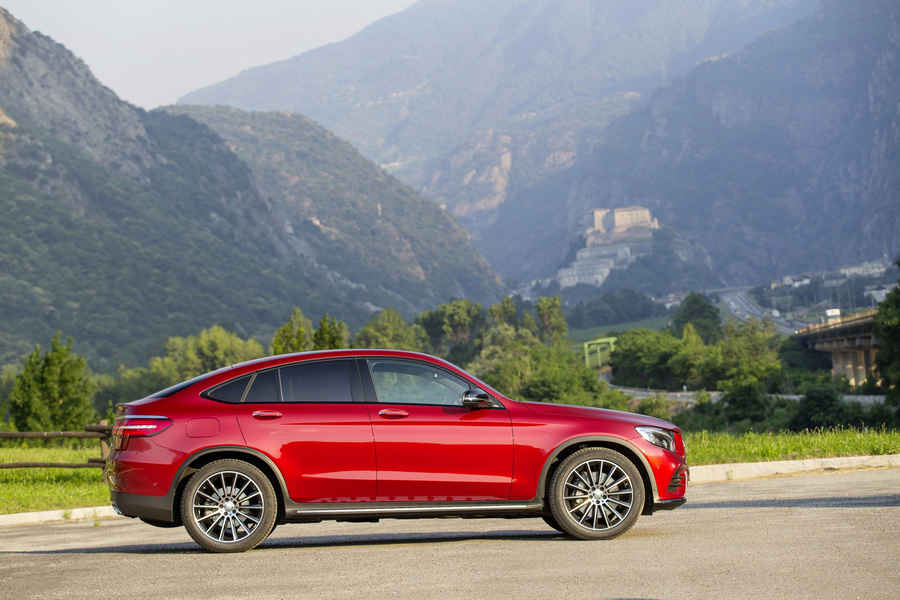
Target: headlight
[(658, 437)]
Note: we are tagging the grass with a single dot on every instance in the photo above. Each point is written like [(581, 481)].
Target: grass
[(579, 336), (23, 490), (708, 448)]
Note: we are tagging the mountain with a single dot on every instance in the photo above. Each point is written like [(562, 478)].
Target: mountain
[(123, 227), (781, 158), (470, 101)]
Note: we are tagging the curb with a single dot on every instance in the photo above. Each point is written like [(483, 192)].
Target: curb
[(46, 516), (701, 474), (735, 471)]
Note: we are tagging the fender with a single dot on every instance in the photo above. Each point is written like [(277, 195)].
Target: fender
[(607, 440), (179, 474)]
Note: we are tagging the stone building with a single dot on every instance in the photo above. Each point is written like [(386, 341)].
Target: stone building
[(614, 238)]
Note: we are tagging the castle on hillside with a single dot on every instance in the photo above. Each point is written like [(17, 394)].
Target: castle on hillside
[(614, 238)]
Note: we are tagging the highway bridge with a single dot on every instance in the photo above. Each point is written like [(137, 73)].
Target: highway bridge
[(851, 342)]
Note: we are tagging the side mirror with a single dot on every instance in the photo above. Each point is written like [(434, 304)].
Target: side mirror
[(476, 399)]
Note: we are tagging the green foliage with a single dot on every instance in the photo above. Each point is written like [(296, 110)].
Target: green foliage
[(209, 350), (53, 392), (698, 311), (331, 334), (641, 359), (619, 306), (505, 312), (749, 355), (387, 329), (656, 405), (887, 330), (7, 381), (453, 328), (552, 327), (293, 336)]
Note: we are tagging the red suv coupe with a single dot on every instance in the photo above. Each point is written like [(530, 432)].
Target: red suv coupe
[(358, 435)]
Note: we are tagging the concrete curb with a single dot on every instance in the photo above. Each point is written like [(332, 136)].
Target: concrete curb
[(45, 516), (734, 471), (701, 474)]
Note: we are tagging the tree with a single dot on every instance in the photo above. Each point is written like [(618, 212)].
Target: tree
[(209, 350), (452, 329), (552, 327), (699, 311), (691, 362), (887, 330), (293, 336), (330, 334), (641, 359), (7, 381), (53, 391), (749, 355), (387, 329), (505, 311)]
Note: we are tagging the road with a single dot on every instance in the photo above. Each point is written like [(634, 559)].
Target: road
[(741, 306), (828, 535)]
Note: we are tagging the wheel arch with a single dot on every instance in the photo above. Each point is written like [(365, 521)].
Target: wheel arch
[(624, 447), (203, 457)]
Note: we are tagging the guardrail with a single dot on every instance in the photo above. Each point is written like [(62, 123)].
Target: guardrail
[(100, 431)]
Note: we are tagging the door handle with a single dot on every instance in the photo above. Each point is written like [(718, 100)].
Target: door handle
[(392, 413), (266, 414)]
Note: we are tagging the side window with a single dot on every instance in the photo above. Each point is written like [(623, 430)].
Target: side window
[(264, 388), (317, 382), (231, 392), (402, 382)]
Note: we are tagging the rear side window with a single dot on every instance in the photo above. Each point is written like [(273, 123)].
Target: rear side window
[(318, 382), (264, 388), (231, 392)]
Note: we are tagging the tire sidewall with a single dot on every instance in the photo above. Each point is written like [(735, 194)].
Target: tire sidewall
[(557, 489), (270, 502)]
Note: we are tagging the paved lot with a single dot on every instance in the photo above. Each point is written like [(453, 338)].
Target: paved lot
[(830, 535)]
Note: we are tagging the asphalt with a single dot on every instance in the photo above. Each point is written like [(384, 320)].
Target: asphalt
[(827, 535)]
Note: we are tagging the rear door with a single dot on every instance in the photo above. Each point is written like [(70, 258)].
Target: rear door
[(310, 419), (428, 446)]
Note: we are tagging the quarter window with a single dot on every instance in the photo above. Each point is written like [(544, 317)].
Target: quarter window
[(231, 392), (402, 382), (264, 388), (317, 382)]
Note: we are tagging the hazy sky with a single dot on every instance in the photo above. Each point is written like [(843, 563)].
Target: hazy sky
[(153, 51)]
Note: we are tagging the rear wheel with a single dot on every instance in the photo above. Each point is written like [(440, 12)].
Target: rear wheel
[(552, 522), (596, 493), (229, 506)]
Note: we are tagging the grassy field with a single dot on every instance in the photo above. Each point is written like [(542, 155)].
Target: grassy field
[(23, 490), (579, 336), (706, 448)]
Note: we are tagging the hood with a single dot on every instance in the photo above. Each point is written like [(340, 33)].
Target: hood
[(589, 412)]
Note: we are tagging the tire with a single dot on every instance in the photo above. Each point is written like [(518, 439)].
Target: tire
[(229, 506), (552, 522), (596, 494)]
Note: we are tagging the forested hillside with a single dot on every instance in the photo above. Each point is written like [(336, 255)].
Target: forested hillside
[(122, 227)]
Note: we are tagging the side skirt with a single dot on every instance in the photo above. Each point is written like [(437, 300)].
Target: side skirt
[(369, 511)]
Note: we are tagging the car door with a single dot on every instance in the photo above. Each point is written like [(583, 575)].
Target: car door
[(428, 446), (310, 419)]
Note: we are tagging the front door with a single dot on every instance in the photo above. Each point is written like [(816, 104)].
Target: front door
[(309, 418), (428, 446)]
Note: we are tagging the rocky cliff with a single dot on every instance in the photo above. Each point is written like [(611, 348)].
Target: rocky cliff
[(782, 157)]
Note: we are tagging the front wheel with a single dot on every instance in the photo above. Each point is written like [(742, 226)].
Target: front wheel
[(596, 493), (229, 506)]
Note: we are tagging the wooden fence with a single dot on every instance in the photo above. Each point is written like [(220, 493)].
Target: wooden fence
[(100, 431)]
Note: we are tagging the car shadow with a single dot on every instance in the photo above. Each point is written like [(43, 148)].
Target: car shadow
[(276, 543), (824, 502)]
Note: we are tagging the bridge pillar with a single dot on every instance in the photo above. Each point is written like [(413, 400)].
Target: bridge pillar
[(860, 368)]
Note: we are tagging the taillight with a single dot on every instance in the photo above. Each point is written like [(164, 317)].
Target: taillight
[(140, 425)]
